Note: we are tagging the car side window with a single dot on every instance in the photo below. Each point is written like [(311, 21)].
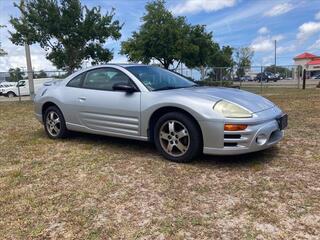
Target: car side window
[(76, 81), (104, 79), (21, 84)]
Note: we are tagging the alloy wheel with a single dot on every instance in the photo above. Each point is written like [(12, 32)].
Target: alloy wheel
[(53, 123), (174, 138)]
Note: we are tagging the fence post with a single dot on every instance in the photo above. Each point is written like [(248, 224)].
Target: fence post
[(221, 77), (304, 79), (298, 71), (19, 92), (261, 80)]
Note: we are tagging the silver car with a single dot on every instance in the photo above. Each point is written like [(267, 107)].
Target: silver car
[(149, 103)]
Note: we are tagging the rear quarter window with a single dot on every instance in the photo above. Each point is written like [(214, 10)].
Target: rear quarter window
[(76, 81)]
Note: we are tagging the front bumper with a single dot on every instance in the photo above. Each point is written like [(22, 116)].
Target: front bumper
[(240, 142)]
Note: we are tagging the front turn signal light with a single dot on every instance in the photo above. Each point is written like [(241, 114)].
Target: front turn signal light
[(235, 127)]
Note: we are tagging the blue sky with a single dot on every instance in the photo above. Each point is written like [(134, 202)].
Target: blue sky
[(295, 24)]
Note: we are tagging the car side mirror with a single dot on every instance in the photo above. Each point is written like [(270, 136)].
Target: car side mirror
[(124, 87)]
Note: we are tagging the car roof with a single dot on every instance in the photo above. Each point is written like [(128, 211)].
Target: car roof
[(121, 65)]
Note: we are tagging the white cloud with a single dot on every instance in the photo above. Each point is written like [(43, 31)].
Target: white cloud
[(262, 44), (317, 16), (279, 9), (278, 37), (263, 30), (16, 58), (315, 45), (268, 60), (195, 6), (287, 48), (308, 29), (252, 11), (265, 43)]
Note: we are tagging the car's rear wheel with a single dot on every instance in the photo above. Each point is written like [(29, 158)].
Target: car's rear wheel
[(177, 137), (54, 123), (11, 95)]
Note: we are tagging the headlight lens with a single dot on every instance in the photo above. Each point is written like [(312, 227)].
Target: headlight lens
[(231, 110)]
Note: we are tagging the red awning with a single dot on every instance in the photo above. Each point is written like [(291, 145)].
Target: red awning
[(305, 56), (314, 62)]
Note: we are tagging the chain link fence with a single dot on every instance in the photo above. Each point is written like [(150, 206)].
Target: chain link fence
[(255, 78), (14, 85)]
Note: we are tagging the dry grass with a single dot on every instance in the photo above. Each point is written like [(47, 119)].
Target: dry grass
[(92, 187)]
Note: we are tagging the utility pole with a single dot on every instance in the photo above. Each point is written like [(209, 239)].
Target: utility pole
[(275, 56), (29, 65)]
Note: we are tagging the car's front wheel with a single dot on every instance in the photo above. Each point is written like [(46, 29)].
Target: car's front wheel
[(54, 123), (11, 95), (177, 137)]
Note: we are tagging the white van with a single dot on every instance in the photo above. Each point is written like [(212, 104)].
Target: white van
[(23, 85), (6, 85)]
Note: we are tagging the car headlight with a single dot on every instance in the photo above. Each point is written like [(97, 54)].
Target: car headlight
[(231, 110)]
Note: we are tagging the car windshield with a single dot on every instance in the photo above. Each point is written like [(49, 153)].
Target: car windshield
[(156, 78)]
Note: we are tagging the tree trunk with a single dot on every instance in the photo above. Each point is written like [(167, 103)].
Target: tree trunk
[(202, 72), (166, 65)]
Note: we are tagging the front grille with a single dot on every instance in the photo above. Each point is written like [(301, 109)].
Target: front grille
[(230, 144), (232, 136), (235, 139)]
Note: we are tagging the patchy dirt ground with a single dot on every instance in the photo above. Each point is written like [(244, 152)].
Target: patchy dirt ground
[(92, 187)]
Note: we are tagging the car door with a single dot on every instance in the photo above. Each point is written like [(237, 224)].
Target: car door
[(23, 87), (101, 109)]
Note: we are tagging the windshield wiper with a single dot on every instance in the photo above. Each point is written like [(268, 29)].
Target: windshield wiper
[(165, 88)]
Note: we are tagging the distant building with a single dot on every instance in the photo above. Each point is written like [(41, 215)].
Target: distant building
[(308, 62)]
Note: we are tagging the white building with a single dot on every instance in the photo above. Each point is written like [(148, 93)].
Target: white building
[(308, 62)]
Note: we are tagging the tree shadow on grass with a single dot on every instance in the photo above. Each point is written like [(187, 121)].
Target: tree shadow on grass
[(256, 159)]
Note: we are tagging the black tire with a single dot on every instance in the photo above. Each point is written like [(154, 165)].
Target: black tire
[(62, 125), (11, 94), (195, 139)]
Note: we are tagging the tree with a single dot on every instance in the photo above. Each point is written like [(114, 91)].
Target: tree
[(68, 31), (243, 59), (201, 50), (202, 47), (2, 52), (161, 36), (204, 54), (41, 74), (222, 63), (15, 74)]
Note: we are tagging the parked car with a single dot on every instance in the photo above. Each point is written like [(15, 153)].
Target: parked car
[(246, 78), (266, 76), (153, 104), (23, 87), (316, 76)]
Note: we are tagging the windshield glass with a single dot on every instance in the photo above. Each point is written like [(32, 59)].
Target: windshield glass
[(156, 78)]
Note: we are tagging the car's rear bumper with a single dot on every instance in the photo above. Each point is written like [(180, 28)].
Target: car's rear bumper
[(220, 142)]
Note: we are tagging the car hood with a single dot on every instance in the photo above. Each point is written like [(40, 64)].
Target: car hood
[(250, 101)]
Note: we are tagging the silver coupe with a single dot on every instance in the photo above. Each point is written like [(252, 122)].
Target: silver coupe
[(149, 103)]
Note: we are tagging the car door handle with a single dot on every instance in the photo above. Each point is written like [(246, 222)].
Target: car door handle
[(81, 99)]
